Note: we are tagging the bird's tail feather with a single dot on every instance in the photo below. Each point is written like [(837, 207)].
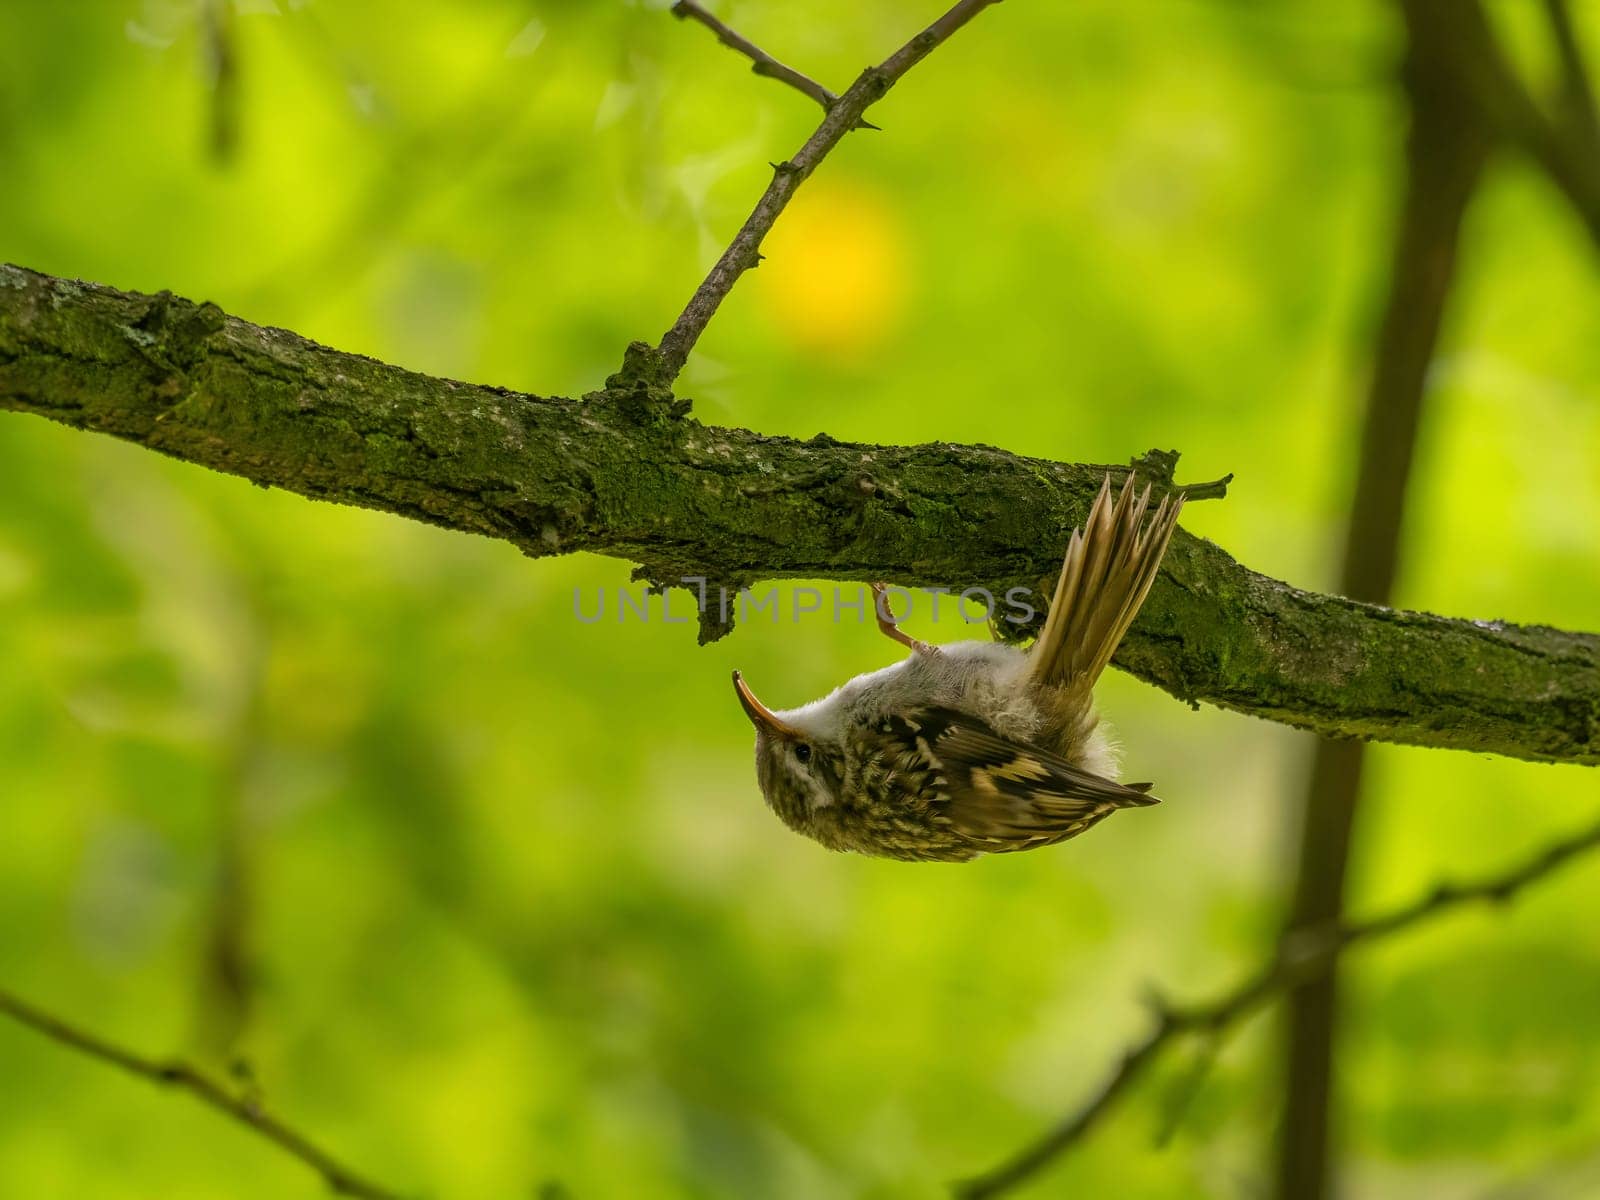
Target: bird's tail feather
[(1109, 567)]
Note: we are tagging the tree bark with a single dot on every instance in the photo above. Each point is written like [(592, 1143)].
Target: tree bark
[(626, 472)]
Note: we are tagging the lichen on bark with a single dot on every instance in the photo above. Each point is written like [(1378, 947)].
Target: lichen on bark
[(625, 471)]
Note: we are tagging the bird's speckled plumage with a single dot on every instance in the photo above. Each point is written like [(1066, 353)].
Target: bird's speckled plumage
[(974, 747)]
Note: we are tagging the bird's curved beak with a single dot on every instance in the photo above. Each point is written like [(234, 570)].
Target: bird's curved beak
[(760, 715)]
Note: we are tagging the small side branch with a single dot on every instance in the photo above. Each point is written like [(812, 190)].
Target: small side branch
[(243, 1110), (844, 114), (1564, 147), (1576, 94), (1306, 955), (761, 62), (222, 68)]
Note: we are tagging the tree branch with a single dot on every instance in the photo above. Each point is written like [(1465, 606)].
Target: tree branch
[(222, 68), (624, 472), (225, 991), (744, 252), (1576, 92), (1306, 955), (761, 62), (1564, 148), (340, 1178)]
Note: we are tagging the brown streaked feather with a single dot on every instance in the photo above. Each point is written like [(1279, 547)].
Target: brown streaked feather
[(1108, 570), (1008, 794)]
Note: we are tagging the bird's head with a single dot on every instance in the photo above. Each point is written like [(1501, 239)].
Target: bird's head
[(799, 765)]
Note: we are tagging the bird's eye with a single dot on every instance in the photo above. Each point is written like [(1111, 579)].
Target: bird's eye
[(803, 752)]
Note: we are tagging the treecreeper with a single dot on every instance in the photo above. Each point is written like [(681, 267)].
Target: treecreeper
[(974, 747)]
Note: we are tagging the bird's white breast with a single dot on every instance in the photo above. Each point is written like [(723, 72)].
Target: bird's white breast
[(987, 679)]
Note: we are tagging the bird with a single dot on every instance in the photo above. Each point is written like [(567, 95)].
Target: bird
[(974, 747)]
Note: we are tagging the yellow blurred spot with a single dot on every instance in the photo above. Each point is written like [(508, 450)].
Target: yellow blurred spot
[(835, 279)]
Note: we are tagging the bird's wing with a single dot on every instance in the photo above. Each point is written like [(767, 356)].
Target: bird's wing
[(1009, 794)]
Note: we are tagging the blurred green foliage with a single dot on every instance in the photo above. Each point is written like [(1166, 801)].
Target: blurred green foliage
[(510, 906)]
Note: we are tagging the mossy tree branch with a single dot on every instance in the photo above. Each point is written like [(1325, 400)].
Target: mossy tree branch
[(626, 472)]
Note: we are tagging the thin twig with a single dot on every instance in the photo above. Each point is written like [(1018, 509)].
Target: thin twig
[(842, 116), (761, 62), (222, 67), (225, 995), (1183, 1094), (1304, 956), (340, 1178)]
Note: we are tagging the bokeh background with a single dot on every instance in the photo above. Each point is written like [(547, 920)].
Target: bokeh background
[(356, 810)]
